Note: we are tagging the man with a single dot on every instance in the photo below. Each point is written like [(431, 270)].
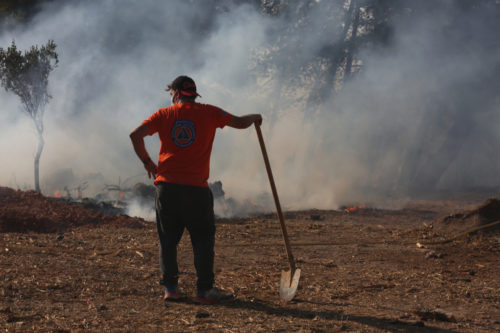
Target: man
[(183, 198)]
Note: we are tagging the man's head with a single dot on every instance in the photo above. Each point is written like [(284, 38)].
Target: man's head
[(183, 88)]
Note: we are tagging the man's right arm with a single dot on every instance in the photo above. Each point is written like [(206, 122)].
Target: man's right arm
[(245, 121)]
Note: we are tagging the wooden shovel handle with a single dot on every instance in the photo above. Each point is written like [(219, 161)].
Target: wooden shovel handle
[(276, 200)]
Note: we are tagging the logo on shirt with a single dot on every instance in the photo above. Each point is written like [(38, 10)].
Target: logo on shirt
[(183, 133)]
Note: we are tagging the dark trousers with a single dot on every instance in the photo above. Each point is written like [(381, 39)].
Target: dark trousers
[(190, 207)]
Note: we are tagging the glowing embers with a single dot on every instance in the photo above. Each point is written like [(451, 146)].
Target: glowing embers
[(353, 209)]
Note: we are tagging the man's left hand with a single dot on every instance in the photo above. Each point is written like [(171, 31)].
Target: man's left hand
[(150, 167)]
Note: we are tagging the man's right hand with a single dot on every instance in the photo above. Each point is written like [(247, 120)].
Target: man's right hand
[(245, 121), (258, 119)]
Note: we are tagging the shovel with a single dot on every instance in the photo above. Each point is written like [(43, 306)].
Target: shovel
[(289, 279)]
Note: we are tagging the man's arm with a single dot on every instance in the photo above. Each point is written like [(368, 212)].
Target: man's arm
[(245, 121), (137, 137)]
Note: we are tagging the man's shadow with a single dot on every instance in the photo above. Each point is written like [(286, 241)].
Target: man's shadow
[(387, 324)]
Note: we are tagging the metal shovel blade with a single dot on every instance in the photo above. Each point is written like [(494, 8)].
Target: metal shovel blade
[(289, 284)]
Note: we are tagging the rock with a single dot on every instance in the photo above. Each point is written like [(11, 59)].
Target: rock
[(436, 314), (432, 254), (202, 315)]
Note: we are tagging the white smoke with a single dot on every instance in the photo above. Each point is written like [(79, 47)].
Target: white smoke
[(116, 58)]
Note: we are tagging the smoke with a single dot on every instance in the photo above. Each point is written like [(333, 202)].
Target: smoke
[(426, 111), (421, 116), (136, 208)]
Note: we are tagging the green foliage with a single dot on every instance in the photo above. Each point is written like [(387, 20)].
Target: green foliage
[(27, 75)]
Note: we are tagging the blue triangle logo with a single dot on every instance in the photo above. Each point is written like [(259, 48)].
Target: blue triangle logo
[(183, 134)]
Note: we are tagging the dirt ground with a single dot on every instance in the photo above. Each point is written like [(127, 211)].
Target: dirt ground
[(65, 268)]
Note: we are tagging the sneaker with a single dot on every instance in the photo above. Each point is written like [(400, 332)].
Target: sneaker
[(173, 294), (212, 296)]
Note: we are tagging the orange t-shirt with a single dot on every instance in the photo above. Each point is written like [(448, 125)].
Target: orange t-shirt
[(187, 132)]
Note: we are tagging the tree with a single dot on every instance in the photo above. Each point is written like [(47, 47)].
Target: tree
[(14, 12), (27, 76)]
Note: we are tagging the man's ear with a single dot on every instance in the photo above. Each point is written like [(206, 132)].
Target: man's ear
[(175, 96)]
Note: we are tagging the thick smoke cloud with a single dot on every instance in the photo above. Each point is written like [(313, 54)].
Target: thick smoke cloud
[(417, 118), (427, 110)]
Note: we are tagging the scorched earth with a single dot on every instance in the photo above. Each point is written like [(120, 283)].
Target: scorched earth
[(66, 268)]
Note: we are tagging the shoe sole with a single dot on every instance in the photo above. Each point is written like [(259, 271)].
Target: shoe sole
[(176, 297)]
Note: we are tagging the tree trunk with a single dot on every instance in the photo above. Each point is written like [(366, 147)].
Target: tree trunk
[(39, 150), (351, 43), (336, 55)]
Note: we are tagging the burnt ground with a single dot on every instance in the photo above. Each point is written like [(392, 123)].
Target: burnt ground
[(70, 269)]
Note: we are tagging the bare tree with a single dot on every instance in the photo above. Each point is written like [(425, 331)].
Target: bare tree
[(27, 76)]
